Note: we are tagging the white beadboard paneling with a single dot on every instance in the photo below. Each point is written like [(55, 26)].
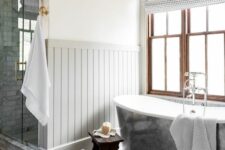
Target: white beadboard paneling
[(90, 91), (137, 74), (85, 78), (101, 86), (125, 73), (121, 73), (116, 79), (106, 82), (133, 75), (116, 73), (51, 62), (111, 86), (84, 101), (71, 103), (129, 73), (77, 91), (65, 96), (96, 89), (57, 103)]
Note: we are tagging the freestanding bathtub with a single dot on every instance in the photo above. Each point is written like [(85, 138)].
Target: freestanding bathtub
[(145, 121)]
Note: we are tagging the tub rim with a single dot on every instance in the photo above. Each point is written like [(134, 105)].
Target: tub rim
[(117, 102)]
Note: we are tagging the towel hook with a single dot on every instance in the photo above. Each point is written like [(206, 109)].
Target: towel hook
[(43, 10)]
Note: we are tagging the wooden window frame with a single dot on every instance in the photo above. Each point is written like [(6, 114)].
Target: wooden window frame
[(184, 53)]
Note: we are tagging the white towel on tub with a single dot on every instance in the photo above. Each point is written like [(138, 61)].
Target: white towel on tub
[(194, 133), (182, 132), (36, 82), (204, 136)]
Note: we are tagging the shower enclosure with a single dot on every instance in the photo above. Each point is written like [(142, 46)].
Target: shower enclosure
[(17, 24)]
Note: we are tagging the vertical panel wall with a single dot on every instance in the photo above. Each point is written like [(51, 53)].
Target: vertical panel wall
[(85, 78)]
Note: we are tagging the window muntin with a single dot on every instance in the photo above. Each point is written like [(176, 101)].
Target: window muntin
[(201, 49)]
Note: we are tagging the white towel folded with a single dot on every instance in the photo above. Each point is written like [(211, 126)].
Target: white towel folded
[(36, 82), (194, 133)]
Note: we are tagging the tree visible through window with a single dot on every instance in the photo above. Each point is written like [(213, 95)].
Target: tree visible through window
[(187, 41)]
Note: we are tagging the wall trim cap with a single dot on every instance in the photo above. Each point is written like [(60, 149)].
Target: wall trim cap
[(57, 43)]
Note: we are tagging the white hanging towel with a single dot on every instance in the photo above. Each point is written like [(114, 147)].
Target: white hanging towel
[(36, 82), (194, 133)]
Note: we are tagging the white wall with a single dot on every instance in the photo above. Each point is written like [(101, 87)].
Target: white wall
[(103, 21), (106, 21)]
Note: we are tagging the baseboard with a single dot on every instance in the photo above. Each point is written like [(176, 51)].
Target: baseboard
[(82, 144)]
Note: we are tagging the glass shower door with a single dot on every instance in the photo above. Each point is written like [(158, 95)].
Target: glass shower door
[(17, 24), (10, 95), (26, 25)]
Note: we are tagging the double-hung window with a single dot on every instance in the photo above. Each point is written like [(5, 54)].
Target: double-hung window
[(189, 40)]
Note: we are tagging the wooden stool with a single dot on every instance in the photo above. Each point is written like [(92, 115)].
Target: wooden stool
[(111, 143)]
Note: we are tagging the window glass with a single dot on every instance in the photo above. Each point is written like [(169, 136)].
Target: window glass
[(20, 23), (33, 24), (158, 64), (174, 22), (173, 64), (198, 19), (160, 24), (21, 51), (216, 64), (26, 24), (27, 41), (216, 17), (27, 34), (19, 5), (197, 57)]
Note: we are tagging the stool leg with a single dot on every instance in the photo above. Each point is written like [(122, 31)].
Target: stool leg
[(114, 147), (109, 147), (95, 146)]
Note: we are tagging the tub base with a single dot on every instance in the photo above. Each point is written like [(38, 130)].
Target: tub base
[(150, 133)]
